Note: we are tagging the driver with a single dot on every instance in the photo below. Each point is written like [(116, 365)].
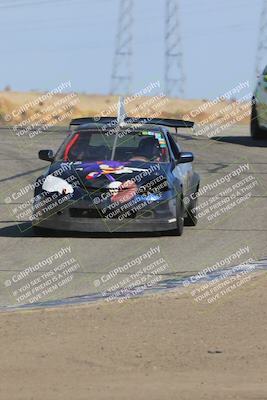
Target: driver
[(148, 150)]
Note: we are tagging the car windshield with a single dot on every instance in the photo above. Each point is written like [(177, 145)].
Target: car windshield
[(142, 146)]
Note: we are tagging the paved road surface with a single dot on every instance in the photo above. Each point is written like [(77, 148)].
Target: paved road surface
[(199, 247)]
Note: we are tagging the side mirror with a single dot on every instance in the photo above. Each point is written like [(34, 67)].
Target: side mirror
[(185, 157), (46, 155)]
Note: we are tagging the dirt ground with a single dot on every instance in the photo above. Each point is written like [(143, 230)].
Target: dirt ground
[(158, 347)]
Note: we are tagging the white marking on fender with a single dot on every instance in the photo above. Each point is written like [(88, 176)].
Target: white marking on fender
[(55, 184)]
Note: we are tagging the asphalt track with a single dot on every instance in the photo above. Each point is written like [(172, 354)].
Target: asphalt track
[(199, 247)]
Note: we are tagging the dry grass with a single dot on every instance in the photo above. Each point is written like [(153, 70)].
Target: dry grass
[(91, 105)]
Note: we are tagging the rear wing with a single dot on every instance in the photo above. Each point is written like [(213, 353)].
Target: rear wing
[(113, 121)]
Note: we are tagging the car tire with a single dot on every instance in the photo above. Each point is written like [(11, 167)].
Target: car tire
[(191, 212), (38, 231), (256, 131), (179, 218)]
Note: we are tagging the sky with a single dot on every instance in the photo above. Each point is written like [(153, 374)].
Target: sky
[(46, 42)]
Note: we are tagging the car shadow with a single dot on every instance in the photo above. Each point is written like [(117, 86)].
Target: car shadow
[(25, 230), (241, 140)]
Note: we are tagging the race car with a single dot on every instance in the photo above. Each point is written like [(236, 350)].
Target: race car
[(117, 175), (258, 125)]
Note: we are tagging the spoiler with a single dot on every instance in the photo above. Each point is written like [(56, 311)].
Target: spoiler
[(122, 119), (113, 121)]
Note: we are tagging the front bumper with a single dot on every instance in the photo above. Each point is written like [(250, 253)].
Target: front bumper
[(99, 225), (85, 216)]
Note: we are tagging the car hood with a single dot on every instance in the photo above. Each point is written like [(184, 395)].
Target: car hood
[(101, 173)]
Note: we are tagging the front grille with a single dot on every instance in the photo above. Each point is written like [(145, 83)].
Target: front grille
[(85, 213), (96, 213)]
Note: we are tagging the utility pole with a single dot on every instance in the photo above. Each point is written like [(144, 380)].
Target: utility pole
[(174, 71), (121, 78)]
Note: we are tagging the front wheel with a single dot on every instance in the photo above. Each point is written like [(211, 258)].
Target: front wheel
[(179, 218), (191, 212), (255, 130), (38, 231)]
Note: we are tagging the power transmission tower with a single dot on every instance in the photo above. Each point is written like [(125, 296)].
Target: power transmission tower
[(174, 71), (122, 70), (262, 42)]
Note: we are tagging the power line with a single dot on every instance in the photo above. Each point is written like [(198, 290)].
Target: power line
[(174, 71), (121, 77), (38, 3)]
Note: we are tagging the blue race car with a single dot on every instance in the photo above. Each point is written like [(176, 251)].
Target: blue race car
[(117, 175)]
